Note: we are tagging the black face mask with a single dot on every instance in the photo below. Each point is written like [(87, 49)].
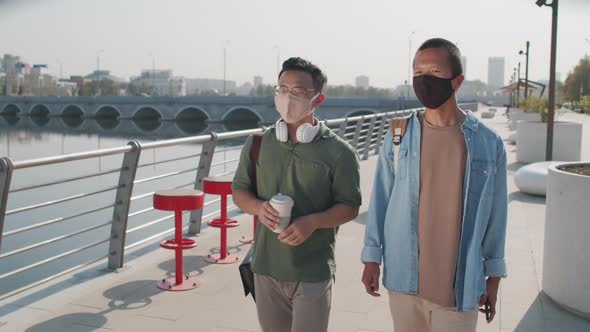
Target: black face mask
[(433, 91)]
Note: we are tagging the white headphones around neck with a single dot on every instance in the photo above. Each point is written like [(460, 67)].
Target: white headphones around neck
[(305, 132)]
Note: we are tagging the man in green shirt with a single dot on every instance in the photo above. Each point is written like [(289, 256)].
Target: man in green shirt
[(302, 158)]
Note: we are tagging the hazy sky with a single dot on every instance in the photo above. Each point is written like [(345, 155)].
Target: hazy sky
[(345, 38)]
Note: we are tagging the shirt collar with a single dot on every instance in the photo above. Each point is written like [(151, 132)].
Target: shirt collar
[(471, 121)]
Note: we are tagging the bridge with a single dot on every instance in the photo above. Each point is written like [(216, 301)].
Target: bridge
[(208, 108)]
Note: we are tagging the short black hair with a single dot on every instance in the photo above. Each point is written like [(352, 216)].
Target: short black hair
[(452, 49), (297, 63)]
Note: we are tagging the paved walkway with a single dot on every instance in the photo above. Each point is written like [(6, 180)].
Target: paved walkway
[(129, 300)]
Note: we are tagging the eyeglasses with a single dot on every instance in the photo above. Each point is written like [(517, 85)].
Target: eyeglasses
[(296, 90)]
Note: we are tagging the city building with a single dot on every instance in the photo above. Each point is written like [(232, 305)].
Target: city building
[(258, 81), (199, 86), (362, 81), (103, 75), (464, 65), (496, 69), (162, 81)]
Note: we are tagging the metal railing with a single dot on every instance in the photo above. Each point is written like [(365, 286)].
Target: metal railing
[(365, 133)]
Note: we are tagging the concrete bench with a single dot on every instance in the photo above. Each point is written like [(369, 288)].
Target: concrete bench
[(532, 179)]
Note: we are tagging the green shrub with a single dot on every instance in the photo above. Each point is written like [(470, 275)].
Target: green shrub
[(535, 104), (585, 103)]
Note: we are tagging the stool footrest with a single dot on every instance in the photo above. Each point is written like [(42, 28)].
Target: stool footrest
[(229, 223), (172, 244), (187, 284), (216, 259)]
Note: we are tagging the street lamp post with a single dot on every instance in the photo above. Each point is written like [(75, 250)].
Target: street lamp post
[(60, 69), (98, 64), (153, 73), (98, 69), (514, 92), (518, 85), (551, 107), (409, 62), (278, 59), (224, 66), (526, 74)]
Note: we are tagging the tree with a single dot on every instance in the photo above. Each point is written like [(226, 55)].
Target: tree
[(263, 91), (104, 87), (351, 91), (577, 83), (139, 89), (585, 103)]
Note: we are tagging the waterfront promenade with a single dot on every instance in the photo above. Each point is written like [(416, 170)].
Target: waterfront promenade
[(128, 300)]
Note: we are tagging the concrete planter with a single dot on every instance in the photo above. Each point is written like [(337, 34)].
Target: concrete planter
[(532, 136), (487, 115), (566, 257), (520, 115)]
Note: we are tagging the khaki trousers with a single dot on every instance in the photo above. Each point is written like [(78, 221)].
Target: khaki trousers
[(413, 314), (284, 306)]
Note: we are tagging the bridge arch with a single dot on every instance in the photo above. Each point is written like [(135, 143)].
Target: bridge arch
[(192, 113), (242, 114), (40, 120), (191, 127), (146, 125), (108, 123), (72, 121), (39, 110), (71, 111), (107, 111), (11, 109), (147, 113), (11, 119)]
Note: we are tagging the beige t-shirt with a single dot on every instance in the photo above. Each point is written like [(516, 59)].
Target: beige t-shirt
[(442, 170)]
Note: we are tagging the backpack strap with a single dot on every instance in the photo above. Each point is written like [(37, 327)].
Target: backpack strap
[(254, 154), (398, 131)]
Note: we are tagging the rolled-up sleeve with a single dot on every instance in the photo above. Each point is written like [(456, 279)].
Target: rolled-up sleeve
[(494, 240)]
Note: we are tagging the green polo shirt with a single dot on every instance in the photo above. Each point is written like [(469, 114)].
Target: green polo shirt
[(317, 175)]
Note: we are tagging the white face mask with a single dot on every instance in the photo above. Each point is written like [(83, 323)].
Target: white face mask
[(293, 109)]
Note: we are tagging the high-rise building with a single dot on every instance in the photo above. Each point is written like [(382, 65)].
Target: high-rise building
[(496, 68), (9, 63), (257, 81), (464, 65), (362, 81)]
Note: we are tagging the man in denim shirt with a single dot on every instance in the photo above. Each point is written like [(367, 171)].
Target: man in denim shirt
[(438, 221)]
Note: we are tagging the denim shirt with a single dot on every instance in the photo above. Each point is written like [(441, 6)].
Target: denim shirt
[(391, 233)]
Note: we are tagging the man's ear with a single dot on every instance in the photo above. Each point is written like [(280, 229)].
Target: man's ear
[(457, 82), (319, 100)]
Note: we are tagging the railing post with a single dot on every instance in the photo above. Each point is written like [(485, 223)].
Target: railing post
[(342, 129), (6, 169), (122, 202), (203, 171), (357, 133), (380, 134), (369, 137)]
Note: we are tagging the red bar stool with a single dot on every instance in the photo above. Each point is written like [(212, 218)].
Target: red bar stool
[(221, 185), (178, 200), (250, 239)]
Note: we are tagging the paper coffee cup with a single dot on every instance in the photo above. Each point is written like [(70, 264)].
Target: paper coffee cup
[(283, 204)]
